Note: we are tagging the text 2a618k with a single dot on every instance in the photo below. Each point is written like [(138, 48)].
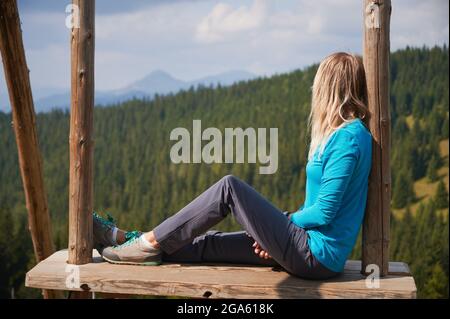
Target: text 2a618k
[(247, 308)]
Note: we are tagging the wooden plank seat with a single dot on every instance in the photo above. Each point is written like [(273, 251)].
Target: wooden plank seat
[(216, 281)]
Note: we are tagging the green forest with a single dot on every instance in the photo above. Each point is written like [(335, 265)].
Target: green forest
[(137, 183)]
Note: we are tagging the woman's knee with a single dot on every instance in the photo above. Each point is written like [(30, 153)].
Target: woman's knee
[(233, 182), (231, 179)]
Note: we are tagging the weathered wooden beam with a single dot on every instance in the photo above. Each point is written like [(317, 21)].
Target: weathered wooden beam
[(81, 139), (375, 236), (218, 280), (30, 162)]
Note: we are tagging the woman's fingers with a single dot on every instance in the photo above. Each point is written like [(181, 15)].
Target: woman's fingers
[(257, 247), (260, 252)]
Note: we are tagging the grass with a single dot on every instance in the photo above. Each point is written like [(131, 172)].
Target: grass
[(410, 121)]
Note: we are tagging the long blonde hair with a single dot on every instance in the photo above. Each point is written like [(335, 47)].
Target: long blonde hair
[(339, 95)]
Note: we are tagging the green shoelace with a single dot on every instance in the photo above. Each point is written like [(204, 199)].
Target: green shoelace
[(109, 222), (130, 235), (127, 243)]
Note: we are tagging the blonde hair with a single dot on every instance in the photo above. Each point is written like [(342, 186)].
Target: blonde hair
[(339, 95)]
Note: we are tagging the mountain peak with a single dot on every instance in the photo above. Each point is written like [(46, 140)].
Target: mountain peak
[(156, 82), (159, 73)]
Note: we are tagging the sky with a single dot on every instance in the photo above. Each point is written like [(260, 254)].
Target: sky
[(194, 38)]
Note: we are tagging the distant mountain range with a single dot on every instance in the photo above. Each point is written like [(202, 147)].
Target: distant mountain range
[(156, 82)]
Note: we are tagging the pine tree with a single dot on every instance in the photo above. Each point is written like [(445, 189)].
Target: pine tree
[(405, 232), (432, 169), (6, 223), (403, 192), (441, 197), (445, 130), (437, 286)]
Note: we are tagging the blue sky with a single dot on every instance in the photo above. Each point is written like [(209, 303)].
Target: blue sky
[(192, 39)]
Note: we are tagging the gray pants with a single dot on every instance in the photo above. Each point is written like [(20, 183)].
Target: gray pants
[(283, 240)]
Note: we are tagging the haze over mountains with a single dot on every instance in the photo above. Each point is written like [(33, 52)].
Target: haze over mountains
[(156, 82)]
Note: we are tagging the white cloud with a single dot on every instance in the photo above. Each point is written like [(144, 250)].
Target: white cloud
[(50, 66), (224, 20), (168, 23), (416, 23)]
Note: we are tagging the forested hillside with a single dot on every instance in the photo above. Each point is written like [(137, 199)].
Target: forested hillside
[(138, 184)]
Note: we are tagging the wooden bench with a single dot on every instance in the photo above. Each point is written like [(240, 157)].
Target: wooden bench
[(216, 281)]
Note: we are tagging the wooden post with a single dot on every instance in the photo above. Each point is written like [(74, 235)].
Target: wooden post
[(375, 236), (81, 133), (30, 162)]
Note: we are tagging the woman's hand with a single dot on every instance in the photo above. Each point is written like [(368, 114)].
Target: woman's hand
[(288, 214), (261, 252)]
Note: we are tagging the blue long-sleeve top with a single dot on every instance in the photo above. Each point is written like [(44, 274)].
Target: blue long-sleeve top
[(336, 194)]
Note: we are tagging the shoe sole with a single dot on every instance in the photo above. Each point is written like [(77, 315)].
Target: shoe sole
[(145, 263)]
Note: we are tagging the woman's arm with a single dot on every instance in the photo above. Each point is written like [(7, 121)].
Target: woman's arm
[(338, 167)]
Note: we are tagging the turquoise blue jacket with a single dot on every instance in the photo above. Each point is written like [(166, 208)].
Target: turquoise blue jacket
[(336, 194)]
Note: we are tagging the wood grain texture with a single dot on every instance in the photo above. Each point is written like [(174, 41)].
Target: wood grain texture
[(375, 236), (215, 281), (30, 161), (81, 139)]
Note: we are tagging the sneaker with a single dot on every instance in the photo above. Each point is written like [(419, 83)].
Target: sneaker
[(133, 252), (103, 230)]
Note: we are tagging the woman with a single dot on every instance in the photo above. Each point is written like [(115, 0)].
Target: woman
[(313, 242)]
